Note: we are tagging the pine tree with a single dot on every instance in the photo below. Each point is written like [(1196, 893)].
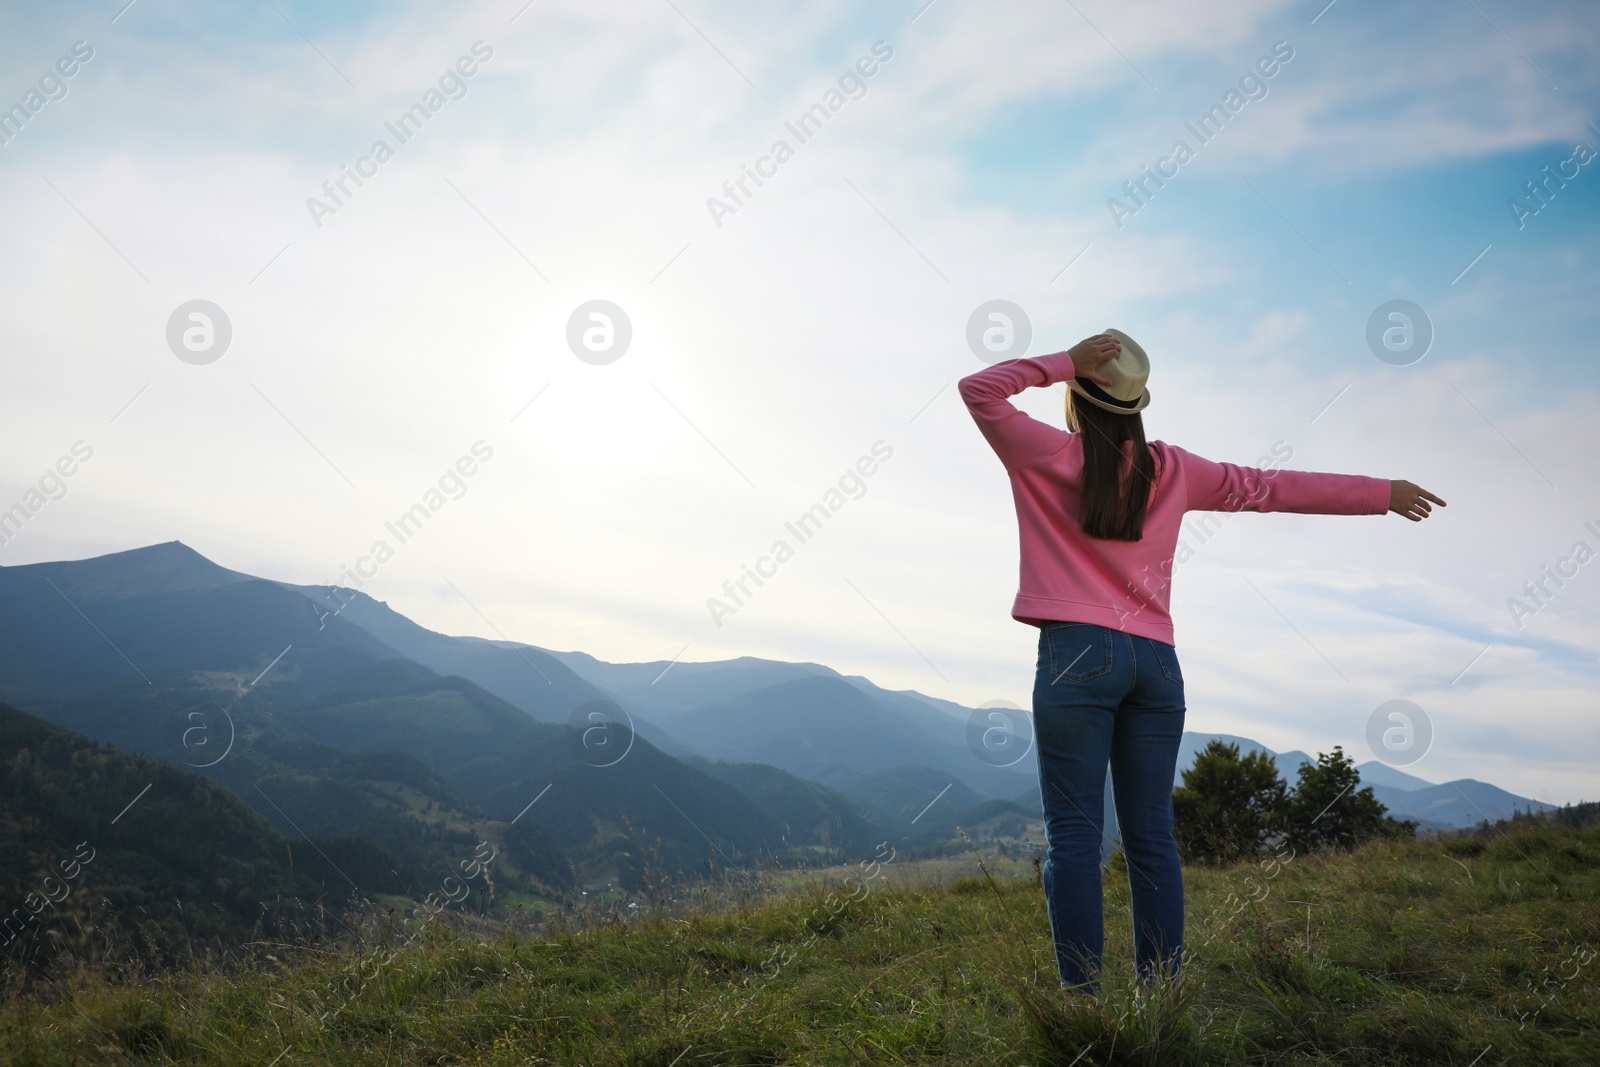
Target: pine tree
[(1228, 806), (1328, 809)]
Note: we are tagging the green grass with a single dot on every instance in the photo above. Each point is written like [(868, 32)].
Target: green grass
[(1461, 951)]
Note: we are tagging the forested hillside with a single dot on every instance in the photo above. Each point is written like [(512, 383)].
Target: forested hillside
[(90, 835)]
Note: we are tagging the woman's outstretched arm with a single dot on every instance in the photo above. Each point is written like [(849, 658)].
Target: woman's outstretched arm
[(1018, 439), (1226, 487)]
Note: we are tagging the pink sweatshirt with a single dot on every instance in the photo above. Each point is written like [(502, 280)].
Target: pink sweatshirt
[(1124, 585)]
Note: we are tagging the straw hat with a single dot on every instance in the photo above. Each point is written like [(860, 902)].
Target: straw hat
[(1128, 373)]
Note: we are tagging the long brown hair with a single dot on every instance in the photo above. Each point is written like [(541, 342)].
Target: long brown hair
[(1113, 503)]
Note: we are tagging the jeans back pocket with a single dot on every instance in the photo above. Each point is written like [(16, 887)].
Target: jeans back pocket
[(1167, 656), (1079, 651)]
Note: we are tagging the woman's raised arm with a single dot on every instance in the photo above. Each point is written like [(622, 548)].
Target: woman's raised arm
[(1017, 438)]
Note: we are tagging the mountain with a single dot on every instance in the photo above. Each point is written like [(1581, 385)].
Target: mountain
[(161, 652), (324, 727), (165, 568), (1457, 804), (901, 793), (660, 689), (804, 725), (88, 832), (334, 717), (532, 679), (675, 691), (523, 676), (812, 814), (683, 698), (72, 628), (1454, 805), (1375, 773), (958, 712)]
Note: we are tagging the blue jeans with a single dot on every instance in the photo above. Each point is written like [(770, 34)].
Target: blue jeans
[(1103, 697)]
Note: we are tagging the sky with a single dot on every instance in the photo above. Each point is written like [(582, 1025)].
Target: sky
[(386, 338)]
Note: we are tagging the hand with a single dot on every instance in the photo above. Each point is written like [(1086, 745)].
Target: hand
[(1089, 353), (1411, 500)]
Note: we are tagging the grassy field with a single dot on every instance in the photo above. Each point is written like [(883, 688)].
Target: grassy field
[(1462, 951)]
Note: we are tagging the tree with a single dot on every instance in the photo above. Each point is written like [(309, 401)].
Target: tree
[(1327, 810), (1228, 805)]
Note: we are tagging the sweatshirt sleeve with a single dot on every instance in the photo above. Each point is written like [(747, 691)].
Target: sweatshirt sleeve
[(1215, 486), (1017, 438)]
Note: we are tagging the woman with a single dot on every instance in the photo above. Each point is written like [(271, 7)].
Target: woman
[(1099, 512)]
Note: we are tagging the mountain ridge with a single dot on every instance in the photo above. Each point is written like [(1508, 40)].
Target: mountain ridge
[(744, 709)]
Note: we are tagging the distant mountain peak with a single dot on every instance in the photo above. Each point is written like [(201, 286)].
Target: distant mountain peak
[(166, 567)]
